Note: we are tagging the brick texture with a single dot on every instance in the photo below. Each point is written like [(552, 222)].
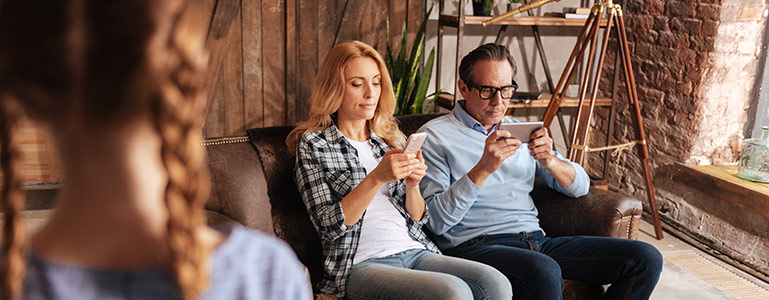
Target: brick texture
[(695, 64), (672, 46)]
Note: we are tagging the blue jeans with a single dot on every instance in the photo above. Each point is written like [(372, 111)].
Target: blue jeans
[(536, 265), (420, 274)]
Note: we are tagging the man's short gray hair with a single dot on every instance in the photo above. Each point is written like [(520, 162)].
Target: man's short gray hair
[(484, 52)]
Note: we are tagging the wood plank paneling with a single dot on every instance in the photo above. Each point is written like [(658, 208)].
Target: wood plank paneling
[(281, 47), (327, 22), (291, 63), (224, 20), (253, 98), (397, 13), (232, 80), (307, 54), (414, 15), (372, 25), (274, 35)]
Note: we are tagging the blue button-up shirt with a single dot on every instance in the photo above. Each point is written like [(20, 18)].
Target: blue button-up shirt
[(460, 209)]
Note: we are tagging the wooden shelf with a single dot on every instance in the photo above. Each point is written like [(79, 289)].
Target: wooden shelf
[(446, 101), (721, 183), (453, 20)]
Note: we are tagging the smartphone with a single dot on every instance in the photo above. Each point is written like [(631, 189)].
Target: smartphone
[(521, 130), (415, 142)]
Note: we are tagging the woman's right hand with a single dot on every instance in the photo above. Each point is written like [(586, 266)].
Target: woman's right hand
[(395, 165)]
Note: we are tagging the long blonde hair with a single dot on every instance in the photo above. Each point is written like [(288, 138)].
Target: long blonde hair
[(328, 91), (112, 61)]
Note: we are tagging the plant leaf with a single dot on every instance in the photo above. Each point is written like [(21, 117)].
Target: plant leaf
[(423, 82), (409, 80)]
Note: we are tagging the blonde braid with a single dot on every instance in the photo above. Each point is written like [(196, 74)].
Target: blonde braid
[(178, 110), (12, 267), (185, 193)]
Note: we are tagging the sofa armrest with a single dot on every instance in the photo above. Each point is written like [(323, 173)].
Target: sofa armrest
[(599, 213)]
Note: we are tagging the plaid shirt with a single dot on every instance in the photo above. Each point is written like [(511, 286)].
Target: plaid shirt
[(327, 169)]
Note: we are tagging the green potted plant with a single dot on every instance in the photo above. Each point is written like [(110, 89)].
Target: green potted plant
[(482, 7), (409, 81)]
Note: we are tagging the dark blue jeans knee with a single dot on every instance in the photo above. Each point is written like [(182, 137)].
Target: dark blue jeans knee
[(536, 265)]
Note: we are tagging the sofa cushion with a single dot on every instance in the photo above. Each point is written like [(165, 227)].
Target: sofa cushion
[(234, 161), (292, 223)]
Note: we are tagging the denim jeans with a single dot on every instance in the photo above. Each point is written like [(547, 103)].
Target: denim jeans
[(420, 274), (536, 265)]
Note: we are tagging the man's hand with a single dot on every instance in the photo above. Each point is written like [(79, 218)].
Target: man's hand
[(498, 148), (419, 171), (541, 147)]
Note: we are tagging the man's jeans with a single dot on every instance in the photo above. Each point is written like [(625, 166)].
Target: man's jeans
[(420, 274), (536, 265)]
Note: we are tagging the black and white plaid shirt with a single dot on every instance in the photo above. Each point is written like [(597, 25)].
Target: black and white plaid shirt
[(327, 169)]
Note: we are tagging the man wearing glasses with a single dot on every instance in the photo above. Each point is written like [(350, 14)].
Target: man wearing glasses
[(477, 191)]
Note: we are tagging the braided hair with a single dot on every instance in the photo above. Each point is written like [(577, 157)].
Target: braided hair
[(112, 61)]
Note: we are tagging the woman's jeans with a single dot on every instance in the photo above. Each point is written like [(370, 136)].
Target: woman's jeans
[(420, 274), (536, 265)]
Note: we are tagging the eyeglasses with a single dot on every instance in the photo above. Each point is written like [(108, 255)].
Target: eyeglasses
[(488, 92)]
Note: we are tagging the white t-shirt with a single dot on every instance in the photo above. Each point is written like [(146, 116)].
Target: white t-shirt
[(383, 231)]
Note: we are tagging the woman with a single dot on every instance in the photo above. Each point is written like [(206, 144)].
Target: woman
[(362, 192), (119, 84)]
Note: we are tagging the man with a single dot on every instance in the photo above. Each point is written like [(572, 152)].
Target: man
[(477, 189)]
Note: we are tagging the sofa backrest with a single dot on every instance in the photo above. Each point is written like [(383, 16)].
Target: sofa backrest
[(238, 186)]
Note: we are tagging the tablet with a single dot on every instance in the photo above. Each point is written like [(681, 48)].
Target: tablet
[(521, 130)]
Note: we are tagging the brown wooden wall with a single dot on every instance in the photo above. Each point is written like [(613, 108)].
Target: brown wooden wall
[(263, 58), (265, 54)]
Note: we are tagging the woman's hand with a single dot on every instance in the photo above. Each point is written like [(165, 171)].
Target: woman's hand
[(419, 171), (395, 165)]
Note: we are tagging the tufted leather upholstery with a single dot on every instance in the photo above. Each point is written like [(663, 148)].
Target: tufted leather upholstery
[(253, 184)]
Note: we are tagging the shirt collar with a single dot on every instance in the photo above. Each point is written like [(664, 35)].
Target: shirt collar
[(467, 120)]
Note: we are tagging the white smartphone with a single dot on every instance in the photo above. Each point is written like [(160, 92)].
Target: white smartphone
[(415, 142), (521, 130)]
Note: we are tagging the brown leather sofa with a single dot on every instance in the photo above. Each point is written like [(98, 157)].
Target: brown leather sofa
[(253, 184)]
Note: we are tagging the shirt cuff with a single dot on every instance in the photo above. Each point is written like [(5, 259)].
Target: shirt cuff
[(579, 186)]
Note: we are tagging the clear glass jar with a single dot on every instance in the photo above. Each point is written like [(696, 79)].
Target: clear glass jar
[(754, 160)]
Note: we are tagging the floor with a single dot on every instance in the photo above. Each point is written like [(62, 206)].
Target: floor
[(689, 273)]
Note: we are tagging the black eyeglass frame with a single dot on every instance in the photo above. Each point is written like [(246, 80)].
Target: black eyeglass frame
[(496, 90)]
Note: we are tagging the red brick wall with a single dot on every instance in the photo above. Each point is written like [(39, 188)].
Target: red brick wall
[(669, 43), (694, 65)]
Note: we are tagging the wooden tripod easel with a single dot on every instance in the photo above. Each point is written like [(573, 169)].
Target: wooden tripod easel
[(580, 135)]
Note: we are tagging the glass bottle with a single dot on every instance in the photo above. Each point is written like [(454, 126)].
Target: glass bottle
[(754, 160)]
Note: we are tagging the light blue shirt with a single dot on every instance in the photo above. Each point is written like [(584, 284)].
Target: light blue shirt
[(248, 265), (461, 210)]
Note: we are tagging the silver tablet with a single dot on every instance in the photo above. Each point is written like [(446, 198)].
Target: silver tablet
[(521, 130)]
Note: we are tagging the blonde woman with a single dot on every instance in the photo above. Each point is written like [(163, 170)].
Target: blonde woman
[(119, 86), (362, 192)]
